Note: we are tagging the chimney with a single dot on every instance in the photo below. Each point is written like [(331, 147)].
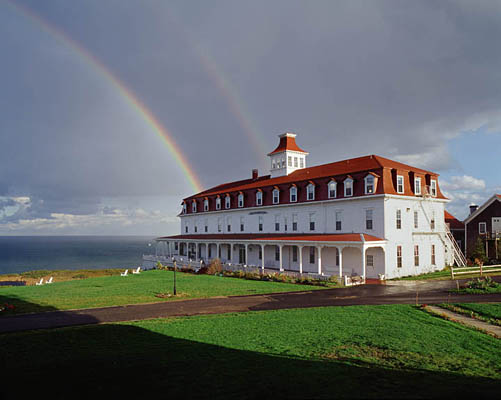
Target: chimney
[(473, 208), (254, 174)]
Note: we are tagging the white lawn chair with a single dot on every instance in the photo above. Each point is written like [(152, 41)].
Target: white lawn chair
[(124, 273), (136, 271), (39, 283), (50, 280)]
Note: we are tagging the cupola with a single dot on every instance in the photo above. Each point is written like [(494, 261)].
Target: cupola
[(287, 157)]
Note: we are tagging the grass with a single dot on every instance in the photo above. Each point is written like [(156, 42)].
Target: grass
[(392, 351), (488, 312), (445, 274), (133, 289)]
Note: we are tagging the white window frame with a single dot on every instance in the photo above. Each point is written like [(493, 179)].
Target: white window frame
[(218, 203), (417, 186), (369, 260), (480, 230), (260, 222), (259, 198), (416, 255), (289, 161), (301, 162), (310, 192), (206, 205), (240, 200), (330, 185), (433, 255), (400, 184), (276, 196), (295, 162), (294, 222), (433, 187), (371, 185), (338, 217), (346, 182), (399, 256), (184, 208), (277, 223), (416, 219), (293, 192), (228, 224), (369, 217), (227, 202), (194, 207), (312, 221), (398, 219)]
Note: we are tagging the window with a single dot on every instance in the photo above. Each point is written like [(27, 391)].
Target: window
[(259, 198), (273, 164), (196, 228), (184, 208), (206, 225), (218, 203), (289, 161), (219, 224), (348, 187), (285, 223), (399, 256), (295, 162), (276, 196), (368, 219), (277, 253), (294, 253), (186, 228), (227, 201), (228, 224), (294, 222), (260, 227), (369, 184), (482, 228), (416, 255), (310, 191), (277, 223), (369, 260), (293, 194), (194, 207), (312, 221), (399, 219), (339, 219), (331, 187), (242, 224), (283, 162), (417, 186), (416, 219), (433, 188), (312, 255), (176, 246), (206, 205), (241, 200), (400, 184), (301, 162), (433, 254), (432, 221)]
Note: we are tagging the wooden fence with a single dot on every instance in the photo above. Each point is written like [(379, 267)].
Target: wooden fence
[(478, 269)]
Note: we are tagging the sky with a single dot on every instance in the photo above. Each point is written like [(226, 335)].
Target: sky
[(115, 110)]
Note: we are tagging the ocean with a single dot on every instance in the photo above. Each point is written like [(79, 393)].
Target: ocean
[(29, 253)]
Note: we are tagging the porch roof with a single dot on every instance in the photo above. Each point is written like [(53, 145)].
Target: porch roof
[(292, 237)]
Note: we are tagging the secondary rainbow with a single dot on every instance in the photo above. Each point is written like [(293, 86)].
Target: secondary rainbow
[(121, 88)]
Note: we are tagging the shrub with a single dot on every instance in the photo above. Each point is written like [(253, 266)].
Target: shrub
[(482, 284), (215, 267)]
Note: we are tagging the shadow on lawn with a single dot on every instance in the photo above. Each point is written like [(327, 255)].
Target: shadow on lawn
[(127, 361)]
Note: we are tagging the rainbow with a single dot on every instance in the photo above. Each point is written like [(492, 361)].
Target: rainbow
[(120, 87)]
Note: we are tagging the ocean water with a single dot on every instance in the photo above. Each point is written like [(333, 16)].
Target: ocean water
[(29, 253)]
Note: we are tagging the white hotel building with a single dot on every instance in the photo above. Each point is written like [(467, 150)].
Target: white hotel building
[(367, 216)]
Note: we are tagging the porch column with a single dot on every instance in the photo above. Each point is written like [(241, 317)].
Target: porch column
[(246, 254), (197, 251), (300, 259), (217, 252), (262, 256), (319, 249), (281, 257), (340, 251), (363, 262)]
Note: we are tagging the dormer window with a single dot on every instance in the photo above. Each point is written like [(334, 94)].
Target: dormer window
[(227, 201), (293, 193), (433, 188), (259, 198), (276, 196), (194, 206), (400, 184), (417, 186), (241, 200), (206, 204), (310, 191), (369, 184), (218, 203), (184, 208), (348, 187), (332, 189)]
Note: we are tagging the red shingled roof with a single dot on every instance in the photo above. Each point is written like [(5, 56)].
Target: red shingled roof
[(314, 237), (453, 222), (287, 142)]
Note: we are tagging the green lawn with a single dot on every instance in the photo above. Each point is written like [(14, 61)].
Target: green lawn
[(133, 289), (488, 312), (333, 352)]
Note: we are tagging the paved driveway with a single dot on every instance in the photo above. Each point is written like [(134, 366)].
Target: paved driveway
[(398, 292)]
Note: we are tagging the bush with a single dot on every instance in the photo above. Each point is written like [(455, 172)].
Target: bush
[(214, 267), (482, 284)]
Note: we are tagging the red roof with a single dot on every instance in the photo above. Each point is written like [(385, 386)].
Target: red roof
[(453, 222), (287, 142), (313, 237), (339, 168)]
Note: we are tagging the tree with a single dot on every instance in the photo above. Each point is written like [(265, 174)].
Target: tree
[(479, 251)]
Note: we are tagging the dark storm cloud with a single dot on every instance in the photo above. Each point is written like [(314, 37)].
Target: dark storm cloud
[(397, 79)]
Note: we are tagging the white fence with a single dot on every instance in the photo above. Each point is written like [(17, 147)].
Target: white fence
[(478, 269)]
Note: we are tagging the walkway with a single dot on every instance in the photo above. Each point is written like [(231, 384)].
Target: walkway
[(400, 292)]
